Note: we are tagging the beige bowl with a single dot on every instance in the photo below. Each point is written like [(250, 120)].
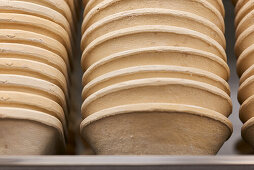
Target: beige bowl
[(245, 40), (245, 23), (239, 4), (42, 11), (154, 71), (90, 4), (12, 82), (218, 4), (30, 52), (248, 73), (156, 129), (246, 7), (139, 17), (60, 5), (170, 56), (245, 60), (248, 131), (246, 109), (38, 25), (246, 89), (63, 8), (27, 132), (19, 99), (51, 48), (148, 36), (72, 4), (110, 7), (75, 7), (159, 90), (33, 69)]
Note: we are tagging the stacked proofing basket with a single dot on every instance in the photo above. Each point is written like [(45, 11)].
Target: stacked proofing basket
[(155, 77), (36, 40), (244, 49)]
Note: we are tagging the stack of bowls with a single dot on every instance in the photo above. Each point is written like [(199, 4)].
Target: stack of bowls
[(244, 49), (155, 77), (36, 40)]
